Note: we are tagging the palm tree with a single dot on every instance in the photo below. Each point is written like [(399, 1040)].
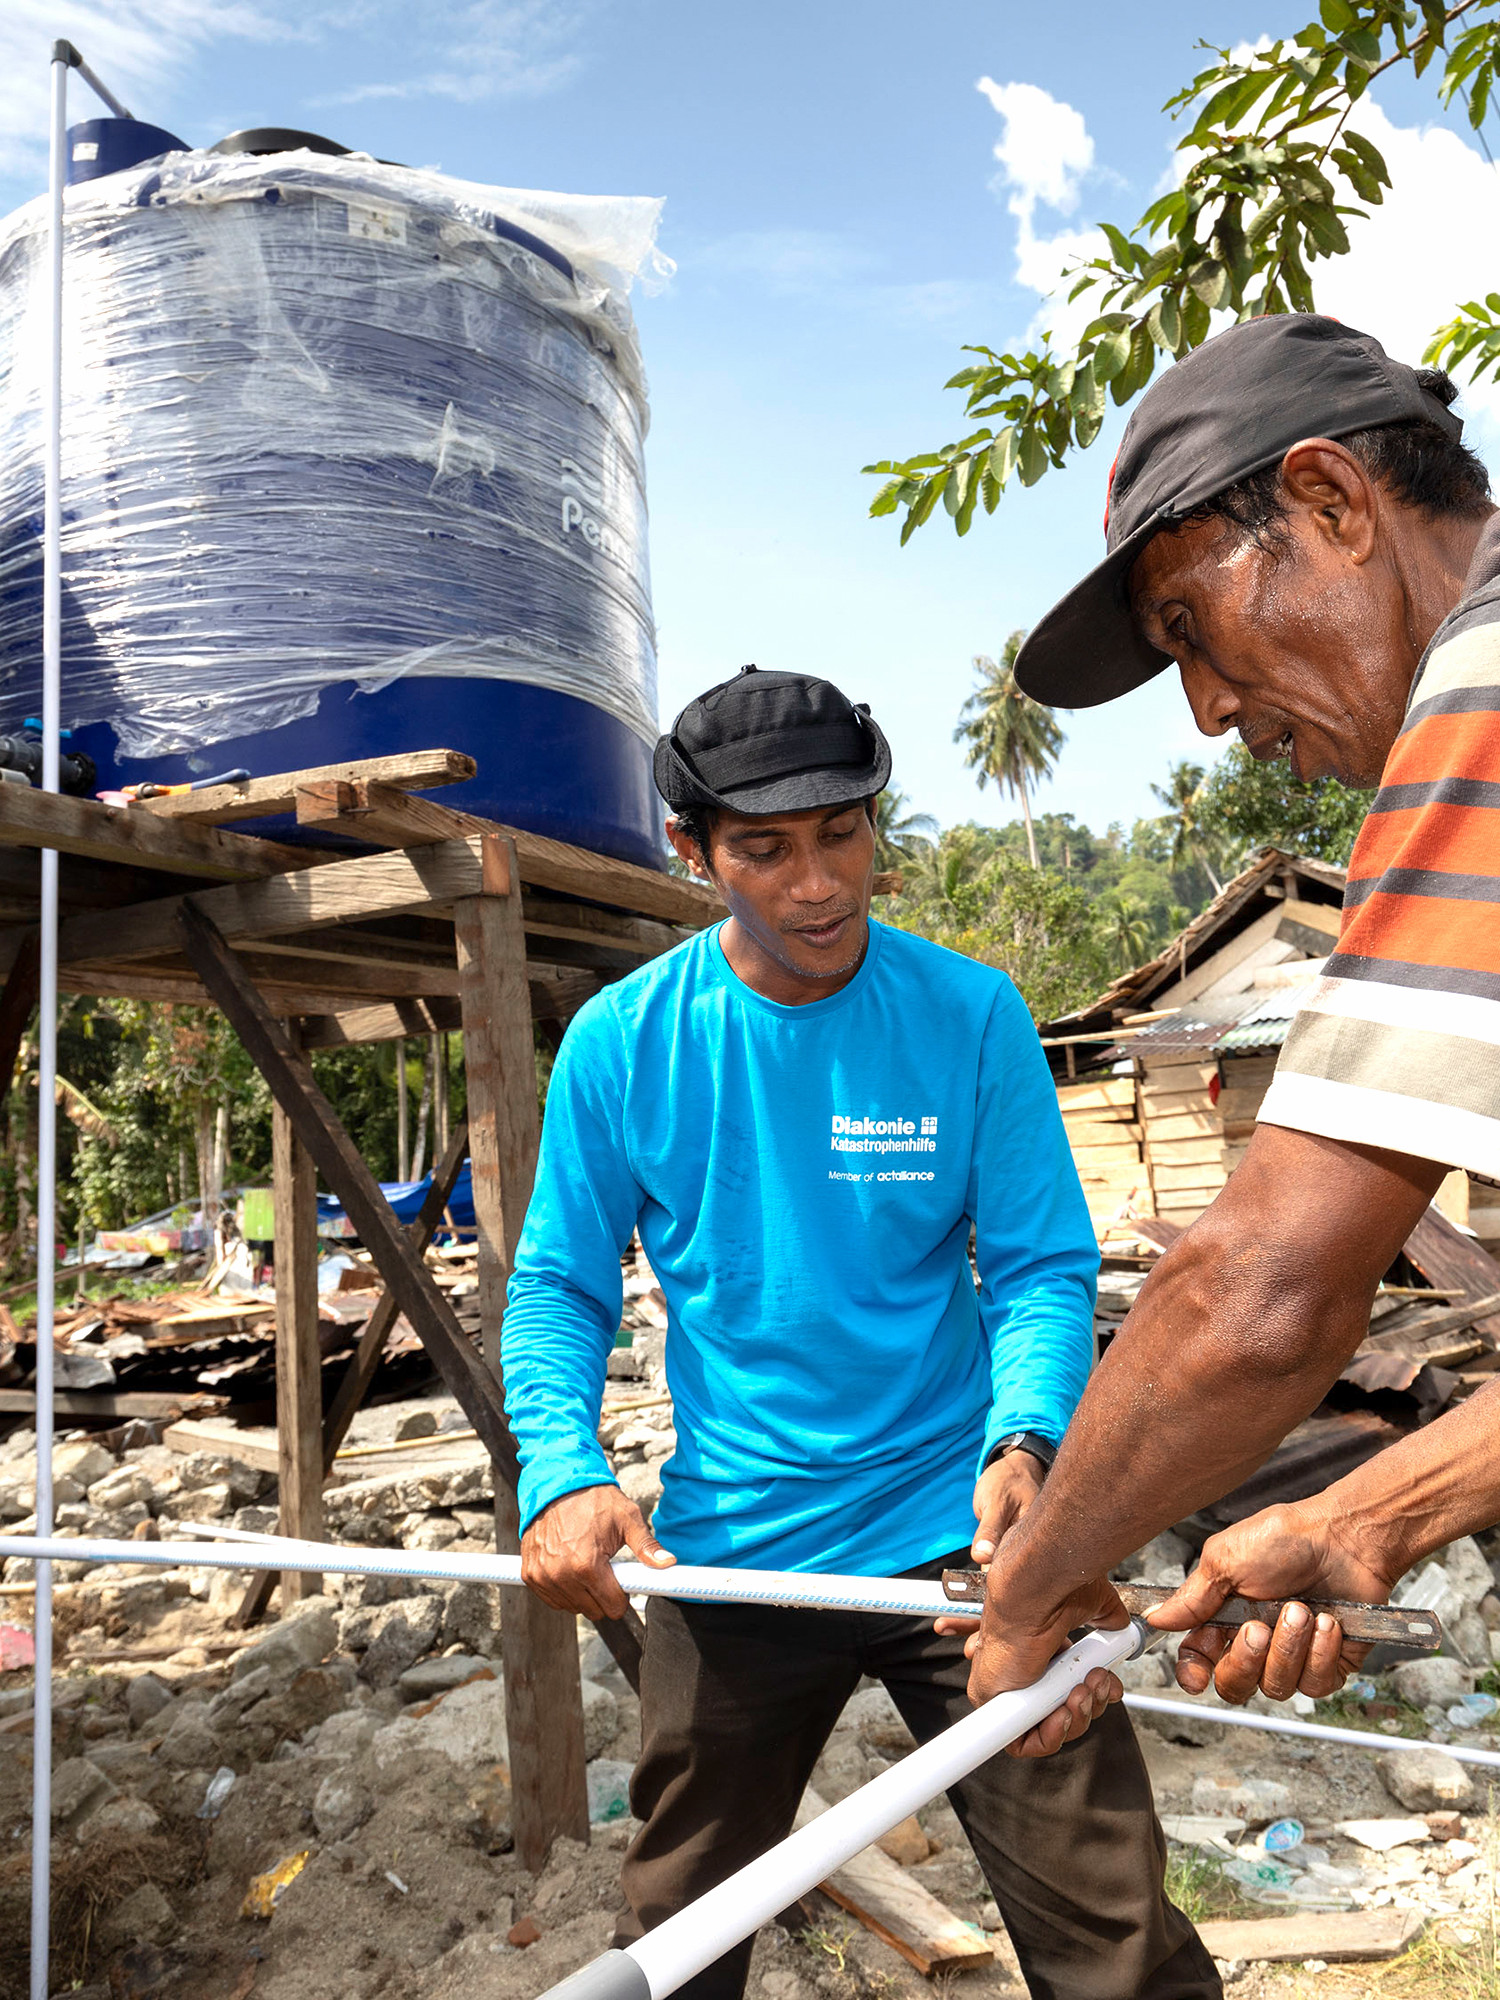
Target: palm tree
[(900, 834), (1183, 796), (1126, 929), (1011, 737)]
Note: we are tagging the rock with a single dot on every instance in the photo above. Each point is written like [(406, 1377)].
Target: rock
[(400, 1634), (81, 1463), (467, 1727), (1381, 1835), (471, 1617), (198, 1503), (1254, 1800), (642, 1484), (254, 1521), (301, 1639), (79, 1787), (877, 1721), (1468, 1570), (1489, 1611), (450, 1670), (526, 1932), (843, 1767), (215, 1468), (1426, 1780), (601, 1719), (145, 1917), (349, 1733), (906, 1842), (191, 1742), (119, 1819), (1444, 1825), (1434, 1680), (362, 1593), (310, 1698), (147, 1696), (1470, 1637), (1164, 1559), (420, 1424), (1150, 1674), (340, 1805), (121, 1486), (429, 1531)]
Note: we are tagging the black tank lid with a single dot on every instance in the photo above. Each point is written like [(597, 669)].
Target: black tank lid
[(277, 139)]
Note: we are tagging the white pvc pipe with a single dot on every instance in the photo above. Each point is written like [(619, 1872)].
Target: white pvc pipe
[(1320, 1732), (902, 1596), (46, 1202), (697, 1935)]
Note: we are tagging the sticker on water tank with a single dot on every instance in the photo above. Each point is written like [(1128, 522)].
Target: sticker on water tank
[(377, 225), (86, 149)]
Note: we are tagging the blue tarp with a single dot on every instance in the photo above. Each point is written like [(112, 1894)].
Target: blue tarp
[(406, 1198)]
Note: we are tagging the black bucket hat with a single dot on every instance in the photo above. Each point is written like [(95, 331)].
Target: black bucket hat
[(1231, 408), (768, 743)]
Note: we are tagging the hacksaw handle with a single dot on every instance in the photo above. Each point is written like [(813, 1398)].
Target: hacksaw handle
[(1365, 1624)]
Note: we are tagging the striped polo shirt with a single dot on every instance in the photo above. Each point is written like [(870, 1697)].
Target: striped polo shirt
[(1398, 1044)]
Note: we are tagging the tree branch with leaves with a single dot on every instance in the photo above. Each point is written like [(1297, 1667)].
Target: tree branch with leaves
[(1273, 170)]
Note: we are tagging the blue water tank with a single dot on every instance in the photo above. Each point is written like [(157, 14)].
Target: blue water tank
[(353, 465), (109, 145)]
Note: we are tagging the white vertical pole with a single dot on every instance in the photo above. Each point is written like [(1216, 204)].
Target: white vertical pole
[(46, 1206)]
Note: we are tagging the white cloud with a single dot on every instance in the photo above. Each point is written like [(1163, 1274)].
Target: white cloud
[(145, 50), (139, 48), (1429, 246), (1045, 154)]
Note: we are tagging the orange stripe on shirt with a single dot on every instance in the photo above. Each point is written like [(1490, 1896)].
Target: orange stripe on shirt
[(1458, 840), (1447, 746), (1424, 930)]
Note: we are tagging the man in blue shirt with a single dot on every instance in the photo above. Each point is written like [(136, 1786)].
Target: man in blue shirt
[(805, 1114)]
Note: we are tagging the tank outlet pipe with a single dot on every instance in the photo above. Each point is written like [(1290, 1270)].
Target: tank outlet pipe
[(686, 1943), (64, 52)]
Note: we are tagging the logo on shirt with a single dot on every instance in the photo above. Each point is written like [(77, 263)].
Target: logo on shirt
[(883, 1135)]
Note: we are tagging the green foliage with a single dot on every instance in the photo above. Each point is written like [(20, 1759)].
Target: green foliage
[(1011, 738), (900, 833), (1256, 206), (1243, 805)]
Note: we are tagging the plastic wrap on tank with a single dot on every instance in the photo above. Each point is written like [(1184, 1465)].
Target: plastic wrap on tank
[(326, 421)]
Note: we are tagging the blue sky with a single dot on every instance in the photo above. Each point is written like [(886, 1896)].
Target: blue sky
[(840, 227)]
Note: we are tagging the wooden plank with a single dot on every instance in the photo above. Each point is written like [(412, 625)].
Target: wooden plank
[(1243, 1072), (1360, 1935), (1324, 920), (264, 798), (299, 1371), (1105, 1156), (1172, 1103), (1187, 1177), (1182, 1217), (108, 1405), (1241, 1106), (547, 917), (1086, 1131), (105, 982), (125, 833), (1119, 1090), (193, 1434), (898, 1909), (1454, 1263), (373, 813), (381, 1024), (1132, 1174), (1184, 1125), (543, 1700), (1221, 962), (1163, 1076), (358, 1376), (351, 979), (1189, 1152), (369, 886)]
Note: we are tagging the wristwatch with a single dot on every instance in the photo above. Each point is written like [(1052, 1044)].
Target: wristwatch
[(1032, 1441)]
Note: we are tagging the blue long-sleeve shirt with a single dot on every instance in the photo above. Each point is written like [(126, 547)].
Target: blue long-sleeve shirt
[(804, 1180)]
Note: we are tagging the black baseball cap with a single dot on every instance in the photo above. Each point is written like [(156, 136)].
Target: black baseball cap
[(1229, 409), (767, 743)]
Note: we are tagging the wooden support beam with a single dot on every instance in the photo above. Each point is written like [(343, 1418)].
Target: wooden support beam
[(374, 813), (543, 1702), (265, 798), (368, 886), (179, 990), (299, 1373), (551, 1000), (347, 1176), (355, 978), (360, 1373), (127, 834)]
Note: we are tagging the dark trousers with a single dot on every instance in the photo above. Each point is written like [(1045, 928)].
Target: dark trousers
[(737, 1702)]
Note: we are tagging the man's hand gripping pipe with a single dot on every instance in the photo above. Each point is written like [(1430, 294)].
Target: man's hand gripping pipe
[(676, 1950)]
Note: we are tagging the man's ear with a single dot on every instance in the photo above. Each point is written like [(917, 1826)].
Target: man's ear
[(1327, 480), (687, 849)]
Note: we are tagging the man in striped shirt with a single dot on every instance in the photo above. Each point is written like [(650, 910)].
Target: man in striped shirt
[(1296, 523)]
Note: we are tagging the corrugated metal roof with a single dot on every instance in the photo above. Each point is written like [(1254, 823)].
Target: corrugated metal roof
[(1258, 1024)]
